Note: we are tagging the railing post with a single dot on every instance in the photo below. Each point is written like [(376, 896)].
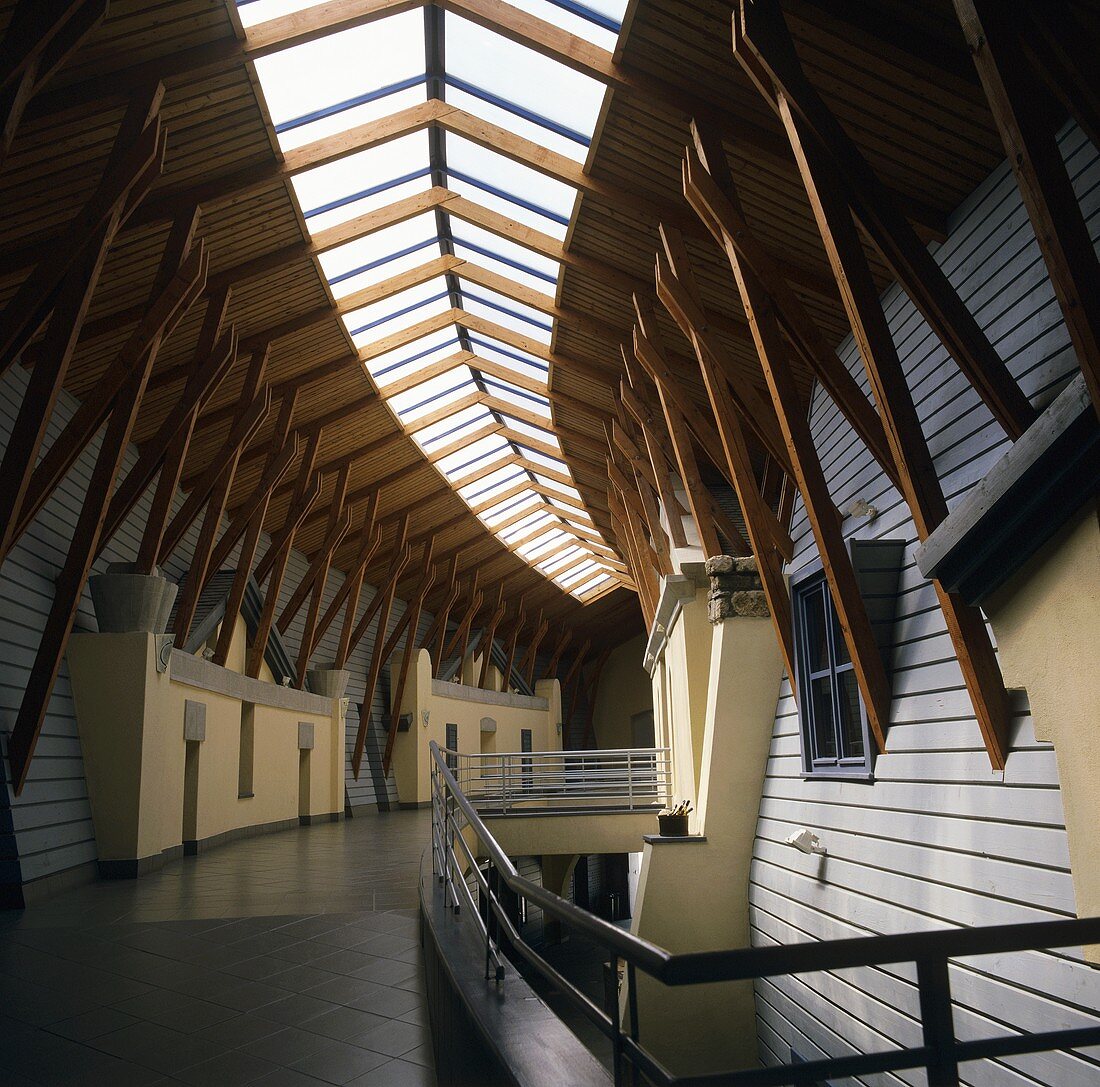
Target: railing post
[(488, 918), (612, 999), (937, 1022), (632, 1005)]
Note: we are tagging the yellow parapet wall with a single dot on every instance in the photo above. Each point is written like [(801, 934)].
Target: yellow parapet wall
[(484, 720), (180, 758)]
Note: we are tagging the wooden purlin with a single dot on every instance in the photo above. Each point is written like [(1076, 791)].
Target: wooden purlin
[(350, 590), (996, 34), (851, 611), (920, 482), (762, 43)]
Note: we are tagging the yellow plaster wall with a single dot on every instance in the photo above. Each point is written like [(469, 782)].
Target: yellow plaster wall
[(1047, 623), (625, 690), (131, 718), (411, 761)]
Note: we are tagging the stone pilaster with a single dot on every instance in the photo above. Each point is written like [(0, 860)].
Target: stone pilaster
[(735, 589)]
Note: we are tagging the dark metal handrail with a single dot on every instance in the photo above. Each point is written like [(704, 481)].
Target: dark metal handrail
[(940, 1054)]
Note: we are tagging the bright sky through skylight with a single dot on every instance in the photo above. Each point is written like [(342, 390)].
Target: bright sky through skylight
[(395, 302)]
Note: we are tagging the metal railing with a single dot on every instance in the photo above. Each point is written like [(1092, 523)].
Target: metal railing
[(575, 781), (460, 875)]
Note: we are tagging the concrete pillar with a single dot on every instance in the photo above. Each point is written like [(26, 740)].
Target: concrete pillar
[(693, 892)]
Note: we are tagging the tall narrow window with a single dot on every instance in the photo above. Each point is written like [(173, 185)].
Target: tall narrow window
[(834, 725), (525, 764), (247, 751), (452, 746)]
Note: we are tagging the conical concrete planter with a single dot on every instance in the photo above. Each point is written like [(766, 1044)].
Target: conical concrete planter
[(125, 601), (329, 682)]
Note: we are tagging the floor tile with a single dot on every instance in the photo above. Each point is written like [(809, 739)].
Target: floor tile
[(344, 1023), (339, 1062), (288, 1045), (393, 1038), (397, 1073), (233, 1069), (80, 1028), (176, 1010)]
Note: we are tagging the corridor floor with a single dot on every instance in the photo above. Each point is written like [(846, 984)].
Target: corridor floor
[(287, 960)]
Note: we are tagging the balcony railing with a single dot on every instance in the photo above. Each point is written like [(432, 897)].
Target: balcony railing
[(576, 781), (460, 874)]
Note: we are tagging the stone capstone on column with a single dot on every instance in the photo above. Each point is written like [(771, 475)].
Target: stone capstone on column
[(735, 589)]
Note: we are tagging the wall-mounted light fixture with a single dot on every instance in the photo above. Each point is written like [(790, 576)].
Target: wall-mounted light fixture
[(424, 715)]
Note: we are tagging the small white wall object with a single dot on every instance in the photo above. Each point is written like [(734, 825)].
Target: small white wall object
[(806, 841)]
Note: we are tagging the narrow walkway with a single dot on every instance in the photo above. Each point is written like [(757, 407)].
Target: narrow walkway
[(288, 960)]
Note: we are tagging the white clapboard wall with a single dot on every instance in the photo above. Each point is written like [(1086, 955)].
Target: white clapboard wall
[(49, 826), (937, 840)]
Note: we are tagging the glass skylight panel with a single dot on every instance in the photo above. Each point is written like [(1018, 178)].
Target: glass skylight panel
[(326, 74), (579, 574), (528, 524), (473, 456), (559, 488), (530, 431), (494, 483), (525, 78), (493, 351), (433, 394), (405, 361), (466, 157), (508, 509), (506, 315), (506, 250), (366, 181), (447, 430), (525, 272), (601, 29), (536, 457), (345, 265), (398, 311)]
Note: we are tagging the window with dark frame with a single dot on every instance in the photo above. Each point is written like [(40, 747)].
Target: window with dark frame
[(525, 764), (833, 722), (452, 745)]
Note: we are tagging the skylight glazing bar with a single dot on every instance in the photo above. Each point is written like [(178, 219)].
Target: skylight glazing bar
[(596, 18), (403, 412), (351, 103)]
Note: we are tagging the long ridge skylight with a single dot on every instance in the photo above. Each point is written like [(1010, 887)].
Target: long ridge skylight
[(450, 307)]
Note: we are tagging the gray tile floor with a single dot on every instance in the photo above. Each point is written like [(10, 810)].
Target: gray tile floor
[(289, 960)]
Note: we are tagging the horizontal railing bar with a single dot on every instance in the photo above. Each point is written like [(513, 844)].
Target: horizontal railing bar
[(593, 1012), (745, 963), (1011, 1045)]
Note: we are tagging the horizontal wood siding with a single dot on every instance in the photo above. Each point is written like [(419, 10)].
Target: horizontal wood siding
[(937, 840), (51, 821)]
